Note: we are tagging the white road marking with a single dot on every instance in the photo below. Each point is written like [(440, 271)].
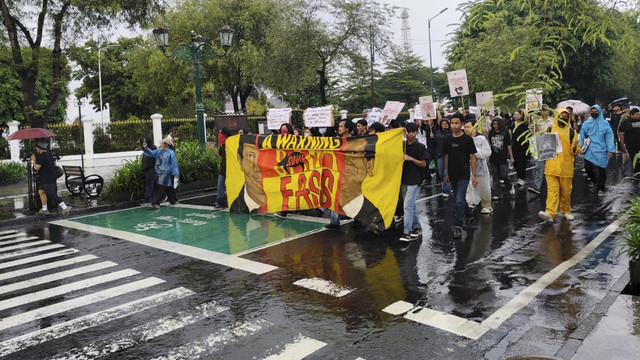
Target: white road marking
[(215, 342), (67, 305), (18, 240), (88, 321), (197, 207), (30, 251), (142, 333), (47, 266), (56, 276), (25, 245), (248, 251), (186, 250), (299, 349), (38, 258), (475, 330), (324, 286), (67, 288), (7, 232), (12, 235)]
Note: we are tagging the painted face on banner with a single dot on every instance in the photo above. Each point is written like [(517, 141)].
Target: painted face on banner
[(252, 174), (357, 167)]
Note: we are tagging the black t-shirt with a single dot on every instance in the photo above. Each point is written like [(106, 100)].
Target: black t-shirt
[(223, 163), (499, 143), (47, 170), (631, 130), (412, 173), (459, 148)]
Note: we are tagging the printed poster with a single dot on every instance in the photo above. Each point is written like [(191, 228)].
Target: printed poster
[(356, 176), (484, 102), (373, 115), (458, 84), (534, 100), (391, 111), (428, 107)]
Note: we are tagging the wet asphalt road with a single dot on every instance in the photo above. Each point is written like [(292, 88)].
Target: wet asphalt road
[(251, 316)]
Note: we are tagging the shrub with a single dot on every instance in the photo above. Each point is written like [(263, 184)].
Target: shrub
[(128, 178), (13, 170)]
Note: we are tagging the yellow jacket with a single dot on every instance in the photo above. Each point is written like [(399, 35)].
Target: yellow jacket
[(563, 165)]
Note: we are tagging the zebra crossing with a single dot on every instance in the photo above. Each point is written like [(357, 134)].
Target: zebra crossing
[(42, 282)]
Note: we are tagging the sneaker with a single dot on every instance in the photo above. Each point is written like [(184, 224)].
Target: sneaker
[(438, 183), (592, 186), (569, 217), (456, 232), (545, 216), (331, 226), (406, 238), (486, 210), (281, 215), (397, 218), (495, 197), (534, 190), (445, 195), (600, 193), (66, 211), (521, 182), (416, 233), (217, 207), (43, 212), (513, 190)]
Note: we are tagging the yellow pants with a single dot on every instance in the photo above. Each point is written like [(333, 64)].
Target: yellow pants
[(558, 191)]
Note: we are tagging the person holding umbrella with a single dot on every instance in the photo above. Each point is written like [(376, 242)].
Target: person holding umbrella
[(45, 167), (596, 140)]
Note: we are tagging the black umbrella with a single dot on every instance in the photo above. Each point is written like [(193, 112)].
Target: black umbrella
[(621, 101)]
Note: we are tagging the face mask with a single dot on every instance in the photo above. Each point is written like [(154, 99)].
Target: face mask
[(284, 131), (221, 138), (594, 115), (323, 131)]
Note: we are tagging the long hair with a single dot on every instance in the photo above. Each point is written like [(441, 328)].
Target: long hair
[(501, 126)]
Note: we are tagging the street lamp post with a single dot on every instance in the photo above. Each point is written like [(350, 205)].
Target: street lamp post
[(199, 50), (100, 76), (430, 60)]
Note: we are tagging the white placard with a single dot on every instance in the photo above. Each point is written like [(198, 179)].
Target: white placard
[(391, 111), (417, 113), (458, 85), (277, 117), (428, 107), (484, 102), (534, 100), (373, 115), (318, 117)]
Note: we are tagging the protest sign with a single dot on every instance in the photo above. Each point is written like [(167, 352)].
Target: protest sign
[(277, 117), (548, 145), (428, 107), (484, 101), (534, 100), (391, 111), (458, 85), (319, 117), (373, 115), (355, 176), (417, 113)]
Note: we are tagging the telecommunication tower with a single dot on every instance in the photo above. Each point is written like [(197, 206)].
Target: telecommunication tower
[(406, 31)]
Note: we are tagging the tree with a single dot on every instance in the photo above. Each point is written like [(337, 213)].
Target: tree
[(407, 78), (55, 19)]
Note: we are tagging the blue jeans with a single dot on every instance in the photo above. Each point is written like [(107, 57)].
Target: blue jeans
[(149, 185), (460, 191), (539, 174), (446, 188), (410, 192), (334, 219), (221, 196)]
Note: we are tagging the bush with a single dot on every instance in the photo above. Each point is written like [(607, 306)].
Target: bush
[(128, 178), (12, 170)]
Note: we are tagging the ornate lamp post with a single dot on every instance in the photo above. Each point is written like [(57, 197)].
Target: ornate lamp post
[(199, 50)]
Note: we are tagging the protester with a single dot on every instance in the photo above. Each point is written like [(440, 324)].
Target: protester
[(559, 171), (221, 190), (482, 192), (500, 142), (596, 137), (345, 127), (441, 137), (520, 146), (541, 126), (376, 127), (286, 128), (629, 133), (167, 170), (616, 116), (148, 168), (460, 158), (46, 169), (361, 127), (432, 149), (414, 161)]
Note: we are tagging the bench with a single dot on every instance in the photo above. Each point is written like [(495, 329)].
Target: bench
[(76, 182)]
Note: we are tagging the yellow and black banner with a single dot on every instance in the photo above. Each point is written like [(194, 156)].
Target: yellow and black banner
[(355, 176)]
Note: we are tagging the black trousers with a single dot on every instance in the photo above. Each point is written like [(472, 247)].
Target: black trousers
[(161, 191), (520, 162), (596, 174)]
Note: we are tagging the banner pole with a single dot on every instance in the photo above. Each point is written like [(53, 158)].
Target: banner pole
[(462, 97)]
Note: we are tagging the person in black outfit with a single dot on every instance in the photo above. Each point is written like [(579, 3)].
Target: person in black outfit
[(148, 169), (520, 145), (414, 161), (47, 186)]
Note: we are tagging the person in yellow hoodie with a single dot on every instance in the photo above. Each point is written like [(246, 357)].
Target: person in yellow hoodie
[(559, 171)]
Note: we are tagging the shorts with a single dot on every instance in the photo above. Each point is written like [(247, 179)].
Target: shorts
[(49, 189)]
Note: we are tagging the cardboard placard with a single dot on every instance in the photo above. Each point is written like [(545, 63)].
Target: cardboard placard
[(319, 117), (534, 100), (391, 111), (428, 107), (373, 115), (458, 84), (277, 117), (484, 102)]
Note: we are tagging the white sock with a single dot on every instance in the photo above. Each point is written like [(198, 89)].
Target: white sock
[(63, 205), (44, 207)]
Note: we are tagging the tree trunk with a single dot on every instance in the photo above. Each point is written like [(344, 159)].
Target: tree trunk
[(323, 84), (244, 95), (234, 99)]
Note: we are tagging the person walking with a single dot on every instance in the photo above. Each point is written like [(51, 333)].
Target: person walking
[(221, 190), (559, 171), (432, 148), (520, 146), (167, 171), (442, 135), (596, 137), (460, 162), (414, 161), (541, 126), (148, 168), (482, 192), (629, 134), (46, 168), (500, 142)]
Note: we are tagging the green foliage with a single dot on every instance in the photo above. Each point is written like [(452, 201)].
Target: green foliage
[(68, 139), (13, 170), (4, 148), (631, 230), (128, 179)]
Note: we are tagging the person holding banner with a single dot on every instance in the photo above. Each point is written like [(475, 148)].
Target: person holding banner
[(221, 193)]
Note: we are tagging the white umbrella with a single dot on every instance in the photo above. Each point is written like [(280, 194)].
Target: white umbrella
[(578, 106)]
